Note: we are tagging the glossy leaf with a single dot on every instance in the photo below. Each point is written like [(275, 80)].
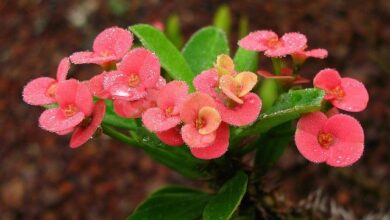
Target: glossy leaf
[(226, 201), (204, 46), (245, 60), (289, 106), (172, 203), (170, 58)]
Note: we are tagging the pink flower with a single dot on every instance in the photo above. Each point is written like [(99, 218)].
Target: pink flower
[(344, 93), (95, 85), (138, 71), (75, 103), (171, 137), (202, 127), (301, 56), (274, 46), (85, 130), (235, 103), (338, 140), (109, 46), (41, 91), (134, 109), (166, 115)]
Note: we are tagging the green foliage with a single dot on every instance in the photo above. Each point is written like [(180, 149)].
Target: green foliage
[(289, 106), (226, 201), (172, 203), (204, 46), (243, 27), (176, 158), (268, 92), (269, 151), (245, 60), (222, 19), (171, 59), (173, 32)]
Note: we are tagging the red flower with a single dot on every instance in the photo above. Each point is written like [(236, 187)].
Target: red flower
[(203, 131), (74, 104), (338, 140), (41, 91), (344, 93), (85, 130), (272, 45), (166, 115), (109, 46), (138, 71)]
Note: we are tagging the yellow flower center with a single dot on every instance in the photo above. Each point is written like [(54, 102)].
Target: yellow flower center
[(325, 139), (134, 80), (70, 110)]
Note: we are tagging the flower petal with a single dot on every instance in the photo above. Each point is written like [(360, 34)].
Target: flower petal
[(207, 82), (349, 140), (67, 92), (317, 53), (257, 41), (171, 137), (63, 69), (173, 95), (230, 87), (143, 63), (290, 43), (116, 40), (82, 135), (54, 120), (95, 85), (193, 103), (35, 92), (356, 96), (247, 81), (155, 120), (241, 114), (193, 139), (268, 75), (84, 99), (85, 57), (327, 79), (212, 119), (131, 109), (216, 149), (306, 137)]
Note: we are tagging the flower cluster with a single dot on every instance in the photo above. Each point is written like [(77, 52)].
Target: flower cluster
[(132, 80), (335, 138)]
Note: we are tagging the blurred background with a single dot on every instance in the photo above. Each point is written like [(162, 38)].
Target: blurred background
[(42, 178)]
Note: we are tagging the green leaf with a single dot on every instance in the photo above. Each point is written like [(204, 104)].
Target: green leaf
[(289, 106), (222, 19), (202, 49), (112, 119), (173, 31), (245, 60), (268, 92), (170, 58), (172, 203), (226, 201), (176, 158), (269, 151), (243, 27)]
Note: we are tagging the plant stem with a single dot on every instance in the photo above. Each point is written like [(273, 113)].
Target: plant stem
[(277, 64), (119, 136)]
